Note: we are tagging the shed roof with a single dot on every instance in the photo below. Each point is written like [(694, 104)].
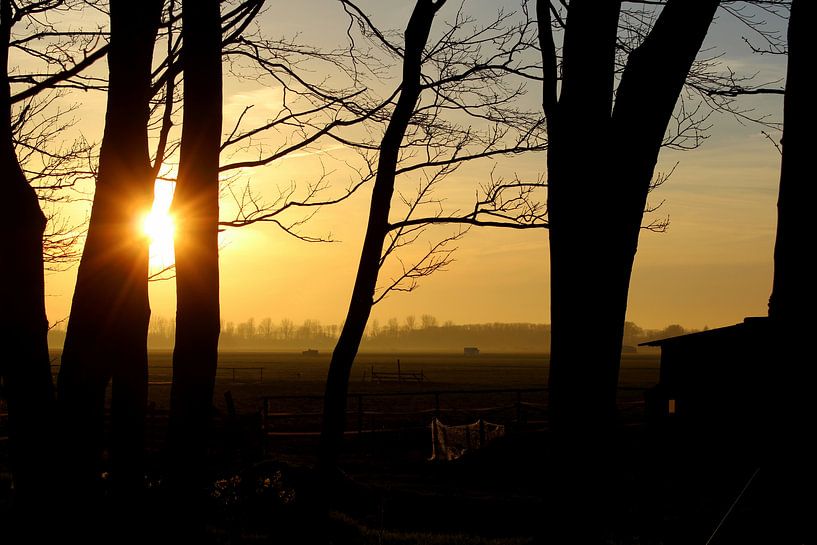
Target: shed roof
[(751, 323)]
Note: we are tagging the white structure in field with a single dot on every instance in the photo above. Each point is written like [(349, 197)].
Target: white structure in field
[(453, 442)]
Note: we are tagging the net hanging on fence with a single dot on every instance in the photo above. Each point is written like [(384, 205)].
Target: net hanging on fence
[(452, 442)]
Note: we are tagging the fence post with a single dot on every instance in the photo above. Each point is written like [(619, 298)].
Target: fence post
[(436, 404), (435, 439)]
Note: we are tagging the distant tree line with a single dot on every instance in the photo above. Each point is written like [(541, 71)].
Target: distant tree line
[(425, 333)]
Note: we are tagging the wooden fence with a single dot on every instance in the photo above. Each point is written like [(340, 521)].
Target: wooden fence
[(400, 411), (300, 415)]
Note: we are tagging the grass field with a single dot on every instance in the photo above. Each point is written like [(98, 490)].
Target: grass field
[(250, 376), (258, 374), (668, 490), (494, 370), (393, 494)]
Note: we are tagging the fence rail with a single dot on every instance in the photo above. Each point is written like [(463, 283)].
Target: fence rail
[(395, 376), (401, 410), (408, 410)]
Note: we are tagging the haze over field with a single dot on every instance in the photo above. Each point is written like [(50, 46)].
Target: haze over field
[(712, 267), (409, 334)]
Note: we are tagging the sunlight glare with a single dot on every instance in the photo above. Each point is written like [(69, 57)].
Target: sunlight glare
[(158, 225)]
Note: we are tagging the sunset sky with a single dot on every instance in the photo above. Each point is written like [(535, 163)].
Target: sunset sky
[(712, 267)]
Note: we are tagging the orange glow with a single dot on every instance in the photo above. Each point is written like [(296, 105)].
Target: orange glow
[(159, 227)]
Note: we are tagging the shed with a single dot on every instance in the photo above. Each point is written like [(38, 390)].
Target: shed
[(716, 380), (470, 351)]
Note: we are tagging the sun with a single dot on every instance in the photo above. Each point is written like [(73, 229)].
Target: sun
[(158, 225)]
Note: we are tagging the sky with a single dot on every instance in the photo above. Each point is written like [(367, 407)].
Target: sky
[(711, 268)]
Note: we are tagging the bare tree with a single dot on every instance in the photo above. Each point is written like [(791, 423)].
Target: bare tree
[(195, 206), (416, 35), (456, 74), (36, 164), (792, 292), (793, 297), (107, 330), (26, 374), (591, 261), (590, 267)]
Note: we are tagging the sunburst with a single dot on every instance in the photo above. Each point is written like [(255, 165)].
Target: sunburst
[(159, 227)]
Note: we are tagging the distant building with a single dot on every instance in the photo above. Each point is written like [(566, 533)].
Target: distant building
[(471, 351), (719, 381), (310, 352)]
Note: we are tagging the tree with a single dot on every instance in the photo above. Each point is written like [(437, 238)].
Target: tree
[(428, 321), (411, 321), (195, 207), (590, 266), (651, 51), (465, 72), (35, 166), (24, 326), (416, 35), (107, 329), (591, 261), (793, 297)]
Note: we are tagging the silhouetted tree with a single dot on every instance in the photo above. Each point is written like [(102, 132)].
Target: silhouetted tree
[(195, 207), (793, 292), (428, 321), (107, 329), (35, 164), (789, 375), (26, 368), (591, 261), (337, 383), (464, 71)]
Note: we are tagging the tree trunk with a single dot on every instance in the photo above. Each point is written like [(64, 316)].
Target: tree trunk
[(793, 290), (343, 357), (577, 189), (107, 329), (596, 202), (25, 368), (195, 208), (581, 286), (790, 376), (593, 259)]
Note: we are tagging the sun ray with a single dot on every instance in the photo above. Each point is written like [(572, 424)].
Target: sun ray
[(159, 227)]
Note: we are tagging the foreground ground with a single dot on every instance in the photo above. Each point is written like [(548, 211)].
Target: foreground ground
[(666, 491)]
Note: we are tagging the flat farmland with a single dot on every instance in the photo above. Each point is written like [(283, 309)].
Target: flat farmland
[(390, 482), (250, 376), (485, 370)]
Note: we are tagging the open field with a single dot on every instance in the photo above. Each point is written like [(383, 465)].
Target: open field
[(288, 387), (250, 376), (667, 489)]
